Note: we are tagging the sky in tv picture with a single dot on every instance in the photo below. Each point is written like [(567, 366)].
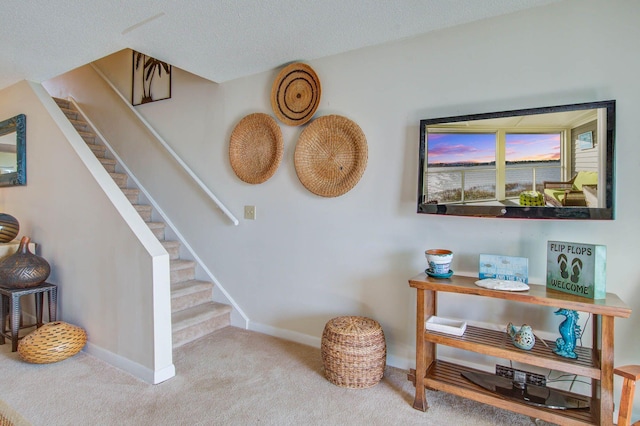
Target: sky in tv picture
[(456, 148)]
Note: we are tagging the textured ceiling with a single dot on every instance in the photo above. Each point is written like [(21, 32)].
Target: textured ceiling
[(216, 39)]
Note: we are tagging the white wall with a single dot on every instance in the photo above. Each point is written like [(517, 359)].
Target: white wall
[(103, 257), (307, 259)]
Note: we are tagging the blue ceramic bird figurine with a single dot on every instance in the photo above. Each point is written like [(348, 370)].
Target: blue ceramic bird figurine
[(522, 338)]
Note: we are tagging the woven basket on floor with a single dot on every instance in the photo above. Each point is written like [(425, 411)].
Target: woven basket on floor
[(331, 155), (354, 352), (52, 342)]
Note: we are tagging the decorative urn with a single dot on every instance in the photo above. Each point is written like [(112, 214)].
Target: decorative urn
[(23, 269), (9, 227)]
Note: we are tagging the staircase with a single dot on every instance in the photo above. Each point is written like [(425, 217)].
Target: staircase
[(194, 314)]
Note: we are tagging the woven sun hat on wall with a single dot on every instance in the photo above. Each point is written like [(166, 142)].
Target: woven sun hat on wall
[(295, 94), (256, 147), (331, 155)]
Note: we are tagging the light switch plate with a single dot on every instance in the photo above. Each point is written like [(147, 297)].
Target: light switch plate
[(250, 212)]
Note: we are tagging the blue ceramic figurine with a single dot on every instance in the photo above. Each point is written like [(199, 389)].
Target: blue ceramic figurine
[(569, 334), (522, 338)]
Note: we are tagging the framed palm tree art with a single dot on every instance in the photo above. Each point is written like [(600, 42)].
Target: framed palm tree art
[(151, 79)]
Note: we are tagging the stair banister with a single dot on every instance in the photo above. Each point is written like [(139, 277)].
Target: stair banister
[(169, 149)]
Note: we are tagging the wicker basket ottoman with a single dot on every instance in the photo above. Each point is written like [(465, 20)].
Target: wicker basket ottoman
[(354, 352)]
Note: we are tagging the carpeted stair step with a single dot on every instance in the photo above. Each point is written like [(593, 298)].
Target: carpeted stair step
[(131, 194), (98, 150), (182, 270), (120, 178), (144, 210), (187, 294), (71, 114), (80, 125), (173, 248), (89, 137), (109, 164), (62, 103), (193, 323), (157, 228)]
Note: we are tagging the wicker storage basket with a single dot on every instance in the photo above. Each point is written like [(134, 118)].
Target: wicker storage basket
[(354, 352), (52, 342)]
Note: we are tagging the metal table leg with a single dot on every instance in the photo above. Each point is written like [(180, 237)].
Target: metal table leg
[(15, 320)]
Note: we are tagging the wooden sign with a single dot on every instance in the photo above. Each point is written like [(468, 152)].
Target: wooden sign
[(577, 268)]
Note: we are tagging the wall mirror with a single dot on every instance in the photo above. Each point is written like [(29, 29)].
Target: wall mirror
[(554, 162), (13, 155)]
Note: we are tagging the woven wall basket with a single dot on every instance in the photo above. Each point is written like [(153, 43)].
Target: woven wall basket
[(331, 155), (295, 94), (52, 342), (256, 147)]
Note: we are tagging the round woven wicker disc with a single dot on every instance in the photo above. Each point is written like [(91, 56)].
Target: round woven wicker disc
[(331, 156), (255, 149), (295, 94)]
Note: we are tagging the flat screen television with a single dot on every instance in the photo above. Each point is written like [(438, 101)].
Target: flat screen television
[(552, 162)]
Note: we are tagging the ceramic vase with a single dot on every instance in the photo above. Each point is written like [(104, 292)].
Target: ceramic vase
[(9, 227), (23, 269)]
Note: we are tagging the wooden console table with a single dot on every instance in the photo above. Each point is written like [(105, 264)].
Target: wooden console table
[(595, 363)]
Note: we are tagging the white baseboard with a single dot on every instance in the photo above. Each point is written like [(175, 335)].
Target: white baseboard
[(314, 341), (404, 361), (133, 368), (293, 336)]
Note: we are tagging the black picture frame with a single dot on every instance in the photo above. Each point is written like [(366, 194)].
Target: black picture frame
[(151, 79)]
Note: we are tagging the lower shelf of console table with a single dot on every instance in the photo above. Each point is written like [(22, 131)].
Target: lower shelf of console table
[(596, 363), (445, 376)]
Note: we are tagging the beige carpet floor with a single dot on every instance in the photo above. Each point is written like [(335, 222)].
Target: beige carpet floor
[(232, 377), (10, 417)]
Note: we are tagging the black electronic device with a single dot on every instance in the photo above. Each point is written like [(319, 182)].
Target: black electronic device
[(520, 390), (476, 165), (521, 375)]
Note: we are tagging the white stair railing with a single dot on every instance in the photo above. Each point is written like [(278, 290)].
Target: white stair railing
[(169, 149)]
